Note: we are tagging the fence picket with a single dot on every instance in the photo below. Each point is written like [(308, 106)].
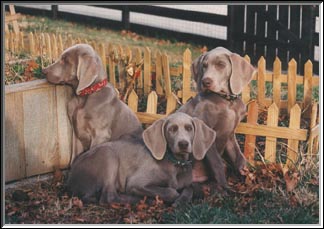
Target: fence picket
[(246, 90), (276, 82), (133, 101), (171, 103), (249, 144), (308, 88), (311, 143), (292, 72), (261, 80), (111, 63), (31, 44), (60, 44), (186, 74), (54, 47), (102, 53), (22, 41), (152, 103), (166, 74), (138, 59), (158, 73), (147, 70), (270, 144), (294, 123), (48, 46)]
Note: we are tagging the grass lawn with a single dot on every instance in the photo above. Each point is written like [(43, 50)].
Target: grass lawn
[(268, 194)]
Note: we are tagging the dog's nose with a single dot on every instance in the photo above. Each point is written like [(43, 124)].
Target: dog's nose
[(183, 145), (207, 82)]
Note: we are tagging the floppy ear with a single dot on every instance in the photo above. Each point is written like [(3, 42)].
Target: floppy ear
[(242, 72), (196, 67), (154, 139), (88, 71), (203, 139)]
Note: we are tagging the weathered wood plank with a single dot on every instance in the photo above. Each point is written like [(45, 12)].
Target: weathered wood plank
[(158, 74), (187, 60), (292, 72), (276, 81), (15, 167), (152, 103), (271, 142), (249, 145), (133, 101), (147, 71), (40, 131), (166, 74), (294, 123)]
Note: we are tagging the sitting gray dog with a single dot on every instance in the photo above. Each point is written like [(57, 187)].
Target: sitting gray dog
[(158, 163), (96, 113), (220, 76)]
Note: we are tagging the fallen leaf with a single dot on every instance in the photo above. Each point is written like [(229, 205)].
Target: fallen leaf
[(291, 181), (142, 205), (57, 175)]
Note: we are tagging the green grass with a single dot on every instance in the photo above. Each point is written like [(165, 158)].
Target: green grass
[(265, 208)]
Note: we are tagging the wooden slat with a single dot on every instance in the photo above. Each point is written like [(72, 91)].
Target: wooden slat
[(294, 123), (111, 63), (7, 38), (64, 128), (15, 167), (249, 144), (158, 75), (171, 103), (261, 80), (246, 89), (276, 81), (138, 58), (166, 74), (60, 44), (146, 118), (48, 46), (35, 84), (147, 72), (54, 47), (152, 103), (40, 131), (278, 132), (312, 125), (102, 53), (14, 23), (308, 89), (133, 101), (271, 142), (21, 42), (292, 71), (186, 91)]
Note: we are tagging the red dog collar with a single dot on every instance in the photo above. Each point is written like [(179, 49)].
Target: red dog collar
[(94, 88)]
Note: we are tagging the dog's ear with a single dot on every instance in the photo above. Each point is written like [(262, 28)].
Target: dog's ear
[(154, 139), (203, 139), (87, 72), (242, 73), (197, 67)]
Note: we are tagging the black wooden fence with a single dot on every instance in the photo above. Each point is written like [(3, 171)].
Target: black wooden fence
[(286, 31)]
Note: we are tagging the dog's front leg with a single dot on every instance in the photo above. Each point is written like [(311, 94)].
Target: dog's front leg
[(233, 151), (185, 196)]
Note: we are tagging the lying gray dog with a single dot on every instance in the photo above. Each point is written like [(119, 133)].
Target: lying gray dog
[(220, 76), (133, 167), (96, 113)]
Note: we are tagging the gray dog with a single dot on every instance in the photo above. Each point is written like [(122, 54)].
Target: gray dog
[(133, 167), (95, 111), (220, 76)]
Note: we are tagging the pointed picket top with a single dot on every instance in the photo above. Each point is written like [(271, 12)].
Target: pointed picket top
[(152, 103), (60, 44), (261, 61), (186, 74), (166, 74), (294, 123), (31, 43), (292, 63), (133, 101), (48, 46), (277, 64), (158, 73), (273, 110), (247, 58), (295, 114)]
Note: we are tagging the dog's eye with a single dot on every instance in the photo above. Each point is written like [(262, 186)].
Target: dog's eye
[(173, 128), (188, 128), (220, 64)]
